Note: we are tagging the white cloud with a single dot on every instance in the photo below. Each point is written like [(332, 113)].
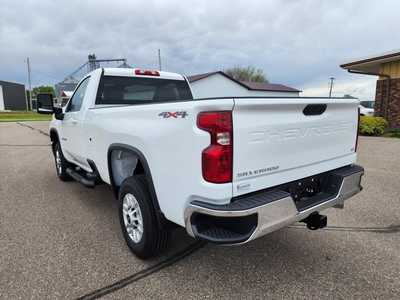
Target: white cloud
[(362, 88), (296, 42)]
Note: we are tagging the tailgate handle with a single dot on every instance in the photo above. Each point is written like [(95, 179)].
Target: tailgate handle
[(314, 109)]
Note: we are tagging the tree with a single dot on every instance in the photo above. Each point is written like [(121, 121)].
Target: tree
[(247, 74), (43, 89)]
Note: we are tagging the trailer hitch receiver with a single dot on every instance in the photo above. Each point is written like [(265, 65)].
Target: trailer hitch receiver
[(316, 221)]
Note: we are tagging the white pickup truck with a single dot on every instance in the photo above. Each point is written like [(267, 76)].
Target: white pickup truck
[(229, 170)]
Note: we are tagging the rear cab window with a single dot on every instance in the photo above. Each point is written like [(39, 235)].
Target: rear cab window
[(137, 90)]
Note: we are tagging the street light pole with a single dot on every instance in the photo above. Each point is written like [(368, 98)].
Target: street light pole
[(159, 59), (29, 83), (331, 86)]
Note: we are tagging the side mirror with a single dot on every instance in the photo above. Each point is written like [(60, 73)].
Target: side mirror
[(44, 104)]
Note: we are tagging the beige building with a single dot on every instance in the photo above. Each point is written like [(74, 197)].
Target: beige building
[(387, 96)]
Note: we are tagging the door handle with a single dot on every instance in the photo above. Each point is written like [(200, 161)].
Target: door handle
[(314, 109), (74, 122)]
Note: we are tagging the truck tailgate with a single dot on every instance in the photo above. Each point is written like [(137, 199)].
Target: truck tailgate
[(278, 140)]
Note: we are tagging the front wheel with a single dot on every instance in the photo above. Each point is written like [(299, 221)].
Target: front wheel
[(138, 219)]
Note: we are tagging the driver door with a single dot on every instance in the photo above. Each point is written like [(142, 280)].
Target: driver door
[(72, 135)]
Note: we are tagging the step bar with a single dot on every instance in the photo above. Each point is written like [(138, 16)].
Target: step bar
[(88, 179), (88, 182)]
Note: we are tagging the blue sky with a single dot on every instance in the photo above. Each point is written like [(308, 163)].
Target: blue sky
[(298, 43)]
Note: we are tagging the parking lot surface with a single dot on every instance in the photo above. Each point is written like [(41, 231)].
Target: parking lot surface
[(62, 240)]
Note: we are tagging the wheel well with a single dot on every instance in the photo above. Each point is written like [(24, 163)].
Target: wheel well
[(125, 161), (54, 138), (123, 164)]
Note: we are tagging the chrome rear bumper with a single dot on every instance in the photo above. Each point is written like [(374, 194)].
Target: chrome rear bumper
[(265, 212)]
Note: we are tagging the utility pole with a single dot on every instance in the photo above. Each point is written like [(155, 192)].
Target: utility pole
[(29, 84), (159, 59), (331, 86)]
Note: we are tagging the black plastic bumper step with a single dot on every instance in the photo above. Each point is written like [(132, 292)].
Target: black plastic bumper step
[(232, 230), (247, 201), (349, 170), (222, 235)]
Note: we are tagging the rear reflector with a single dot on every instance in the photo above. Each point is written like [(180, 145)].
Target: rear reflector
[(147, 72), (217, 158)]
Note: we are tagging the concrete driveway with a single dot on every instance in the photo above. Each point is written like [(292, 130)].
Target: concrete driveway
[(62, 240)]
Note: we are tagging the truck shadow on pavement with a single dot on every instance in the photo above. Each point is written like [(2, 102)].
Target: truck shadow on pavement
[(62, 239), (293, 255)]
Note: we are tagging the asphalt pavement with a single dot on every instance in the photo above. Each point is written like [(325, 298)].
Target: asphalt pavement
[(62, 240)]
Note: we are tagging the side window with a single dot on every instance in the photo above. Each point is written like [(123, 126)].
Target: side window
[(76, 101)]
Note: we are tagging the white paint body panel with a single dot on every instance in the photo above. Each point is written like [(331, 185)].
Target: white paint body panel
[(274, 142), (218, 85), (173, 146), (74, 135)]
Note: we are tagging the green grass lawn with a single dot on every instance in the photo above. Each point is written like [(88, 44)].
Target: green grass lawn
[(15, 116)]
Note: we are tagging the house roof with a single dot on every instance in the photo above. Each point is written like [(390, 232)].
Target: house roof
[(11, 83), (262, 86), (193, 78), (253, 86), (372, 64)]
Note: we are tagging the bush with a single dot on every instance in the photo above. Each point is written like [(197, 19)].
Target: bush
[(393, 133), (372, 125)]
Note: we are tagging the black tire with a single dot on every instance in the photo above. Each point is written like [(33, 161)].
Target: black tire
[(62, 164), (154, 240)]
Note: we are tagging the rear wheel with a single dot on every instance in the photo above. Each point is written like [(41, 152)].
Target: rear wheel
[(61, 163), (138, 219)]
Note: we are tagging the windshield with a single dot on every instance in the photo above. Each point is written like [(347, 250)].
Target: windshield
[(135, 90), (368, 104)]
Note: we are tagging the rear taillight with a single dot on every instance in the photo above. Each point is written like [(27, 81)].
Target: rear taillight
[(147, 72), (358, 129), (217, 158)]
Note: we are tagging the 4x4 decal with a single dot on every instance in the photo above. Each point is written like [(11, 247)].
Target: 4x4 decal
[(175, 114)]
